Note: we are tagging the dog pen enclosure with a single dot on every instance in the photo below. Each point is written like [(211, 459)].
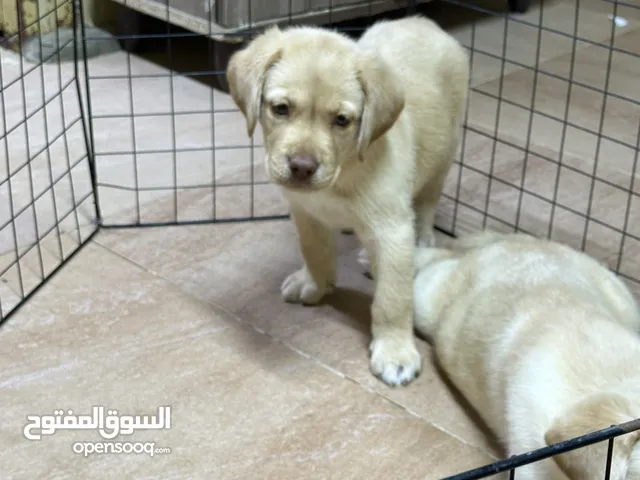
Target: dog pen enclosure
[(551, 143)]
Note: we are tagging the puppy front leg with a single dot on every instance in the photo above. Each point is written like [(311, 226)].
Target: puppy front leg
[(317, 277), (394, 356)]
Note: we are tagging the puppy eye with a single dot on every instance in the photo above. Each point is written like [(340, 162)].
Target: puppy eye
[(341, 121), (280, 109)]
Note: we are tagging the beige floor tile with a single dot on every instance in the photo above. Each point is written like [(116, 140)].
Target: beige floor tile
[(42, 145), (105, 332), (584, 175), (9, 298), (544, 133), (140, 120), (129, 115), (237, 196), (21, 272), (507, 206), (216, 262), (550, 107), (541, 34)]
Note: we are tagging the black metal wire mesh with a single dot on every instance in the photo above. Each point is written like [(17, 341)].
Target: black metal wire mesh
[(550, 144), (512, 464), (46, 193)]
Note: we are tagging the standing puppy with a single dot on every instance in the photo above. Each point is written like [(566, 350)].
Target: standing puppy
[(542, 341), (359, 135)]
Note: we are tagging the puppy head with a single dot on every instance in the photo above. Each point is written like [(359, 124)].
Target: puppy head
[(595, 413), (321, 102)]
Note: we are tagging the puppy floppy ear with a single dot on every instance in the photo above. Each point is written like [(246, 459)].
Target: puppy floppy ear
[(383, 98), (247, 71), (593, 414)]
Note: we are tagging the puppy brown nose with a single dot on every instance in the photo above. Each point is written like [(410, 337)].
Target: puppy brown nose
[(302, 167)]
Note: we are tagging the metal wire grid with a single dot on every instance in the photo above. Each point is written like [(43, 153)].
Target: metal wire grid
[(127, 186), (596, 203), (46, 194), (529, 161), (223, 191), (512, 464)]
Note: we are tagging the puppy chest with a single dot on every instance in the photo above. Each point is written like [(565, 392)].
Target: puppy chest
[(332, 211)]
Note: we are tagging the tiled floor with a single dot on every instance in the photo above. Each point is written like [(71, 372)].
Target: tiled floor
[(255, 386), (191, 316)]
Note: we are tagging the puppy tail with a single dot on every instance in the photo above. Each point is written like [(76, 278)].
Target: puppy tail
[(589, 463), (487, 237)]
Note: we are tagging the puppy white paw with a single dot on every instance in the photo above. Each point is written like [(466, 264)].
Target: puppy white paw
[(299, 287), (395, 362)]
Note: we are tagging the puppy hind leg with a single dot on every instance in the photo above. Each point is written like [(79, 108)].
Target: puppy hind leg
[(366, 255), (368, 262), (425, 203)]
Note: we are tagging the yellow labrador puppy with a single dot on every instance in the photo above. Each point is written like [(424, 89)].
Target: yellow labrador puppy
[(360, 135), (542, 341)]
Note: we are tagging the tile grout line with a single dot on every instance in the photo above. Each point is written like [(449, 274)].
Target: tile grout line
[(303, 354), (586, 46)]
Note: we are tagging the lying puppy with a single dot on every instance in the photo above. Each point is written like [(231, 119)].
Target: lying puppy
[(542, 341), (359, 135)]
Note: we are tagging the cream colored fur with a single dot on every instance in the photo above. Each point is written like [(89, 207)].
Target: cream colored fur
[(541, 340), (402, 88)]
